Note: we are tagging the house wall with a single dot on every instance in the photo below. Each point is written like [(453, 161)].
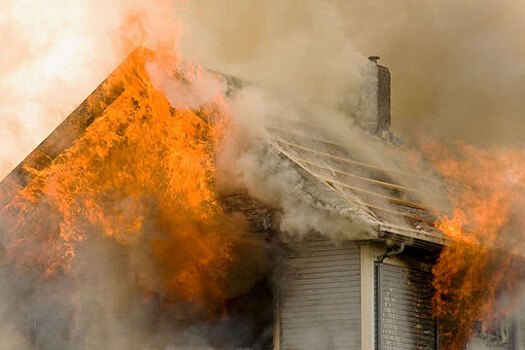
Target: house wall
[(327, 299), (404, 308), (319, 297), (340, 297), (396, 306)]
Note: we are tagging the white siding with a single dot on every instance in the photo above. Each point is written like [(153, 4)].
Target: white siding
[(319, 301)]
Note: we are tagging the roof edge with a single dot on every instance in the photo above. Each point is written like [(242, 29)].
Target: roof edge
[(74, 124)]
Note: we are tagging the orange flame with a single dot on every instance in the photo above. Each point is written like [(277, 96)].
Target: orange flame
[(142, 173), (476, 279), (453, 227)]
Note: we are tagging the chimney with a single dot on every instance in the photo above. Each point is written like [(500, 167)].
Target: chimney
[(382, 128)]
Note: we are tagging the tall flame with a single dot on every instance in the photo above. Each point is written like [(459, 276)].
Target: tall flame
[(142, 174), (56, 52), (478, 277)]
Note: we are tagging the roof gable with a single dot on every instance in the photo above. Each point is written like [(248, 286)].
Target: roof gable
[(132, 69), (365, 189)]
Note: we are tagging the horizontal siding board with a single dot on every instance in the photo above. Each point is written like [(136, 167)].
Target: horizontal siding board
[(317, 298), (409, 320), (407, 339), (328, 287), (336, 292), (318, 275), (423, 327), (324, 273), (298, 327), (322, 315), (321, 320), (341, 278), (314, 268), (394, 278), (412, 284), (417, 306), (335, 260), (314, 302), (318, 317), (399, 344), (392, 282), (310, 308), (402, 292), (320, 297)]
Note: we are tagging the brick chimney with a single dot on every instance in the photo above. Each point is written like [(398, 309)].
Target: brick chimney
[(382, 127)]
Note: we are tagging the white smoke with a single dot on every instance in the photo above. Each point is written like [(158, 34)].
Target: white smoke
[(294, 48), (248, 161)]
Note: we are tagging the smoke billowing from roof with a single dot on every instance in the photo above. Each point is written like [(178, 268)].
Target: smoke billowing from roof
[(458, 67)]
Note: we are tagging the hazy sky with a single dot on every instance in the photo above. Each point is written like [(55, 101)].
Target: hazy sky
[(457, 66)]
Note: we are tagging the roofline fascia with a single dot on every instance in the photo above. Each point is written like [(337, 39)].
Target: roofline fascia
[(384, 230)]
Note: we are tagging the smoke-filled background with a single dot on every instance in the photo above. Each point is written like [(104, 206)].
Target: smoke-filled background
[(458, 67), (457, 73)]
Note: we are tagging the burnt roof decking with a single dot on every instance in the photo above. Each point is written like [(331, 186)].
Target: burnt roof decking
[(388, 204)]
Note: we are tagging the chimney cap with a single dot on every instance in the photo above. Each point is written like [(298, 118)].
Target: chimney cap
[(373, 58)]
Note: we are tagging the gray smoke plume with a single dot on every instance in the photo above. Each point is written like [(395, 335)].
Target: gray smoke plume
[(457, 66)]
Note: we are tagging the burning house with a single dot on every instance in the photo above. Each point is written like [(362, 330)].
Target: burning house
[(370, 289)]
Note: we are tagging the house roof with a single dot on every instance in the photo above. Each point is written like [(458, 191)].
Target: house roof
[(392, 206), (389, 206)]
